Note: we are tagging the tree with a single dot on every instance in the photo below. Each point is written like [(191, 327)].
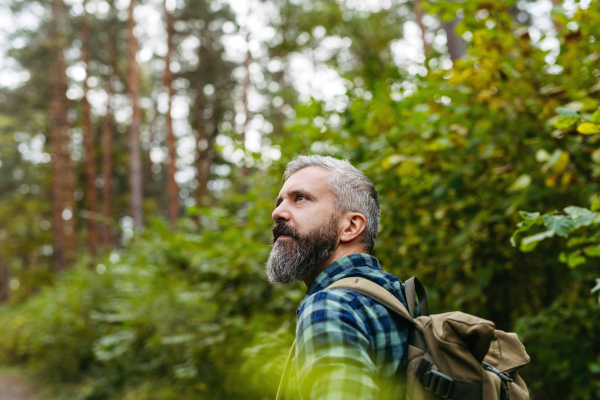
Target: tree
[(211, 86), (135, 163), (63, 174), (172, 188), (107, 130), (88, 137)]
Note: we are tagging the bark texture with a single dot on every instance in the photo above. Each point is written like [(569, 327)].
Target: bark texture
[(172, 188), (419, 14), (107, 136), (135, 159), (248, 115), (456, 45), (204, 141), (91, 192), (63, 176)]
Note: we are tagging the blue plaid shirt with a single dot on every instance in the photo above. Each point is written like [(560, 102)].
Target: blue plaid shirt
[(348, 346)]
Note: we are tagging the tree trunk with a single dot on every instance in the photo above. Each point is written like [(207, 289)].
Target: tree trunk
[(4, 277), (203, 164), (107, 135), (248, 114), (172, 188), (88, 136), (135, 162), (203, 141), (62, 165), (456, 45), (419, 14)]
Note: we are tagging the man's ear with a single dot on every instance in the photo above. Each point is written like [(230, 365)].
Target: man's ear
[(353, 225)]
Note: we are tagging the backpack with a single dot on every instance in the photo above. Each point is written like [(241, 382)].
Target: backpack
[(452, 355)]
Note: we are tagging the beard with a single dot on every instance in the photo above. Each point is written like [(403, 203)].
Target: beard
[(298, 257)]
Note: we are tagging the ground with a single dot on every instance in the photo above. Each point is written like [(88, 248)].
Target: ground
[(12, 387)]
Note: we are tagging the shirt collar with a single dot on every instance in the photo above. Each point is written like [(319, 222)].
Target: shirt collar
[(339, 269)]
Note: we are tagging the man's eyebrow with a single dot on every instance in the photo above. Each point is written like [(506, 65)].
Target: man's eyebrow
[(295, 192)]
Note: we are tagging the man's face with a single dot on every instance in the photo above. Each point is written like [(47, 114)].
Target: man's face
[(305, 233)]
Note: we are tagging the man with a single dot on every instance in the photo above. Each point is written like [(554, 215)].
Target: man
[(347, 346)]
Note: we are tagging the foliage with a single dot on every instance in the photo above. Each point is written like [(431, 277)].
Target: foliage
[(176, 309), (454, 151), (576, 223)]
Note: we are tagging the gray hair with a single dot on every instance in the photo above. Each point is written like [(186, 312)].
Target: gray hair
[(354, 192)]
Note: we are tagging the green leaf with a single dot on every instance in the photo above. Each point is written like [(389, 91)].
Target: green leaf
[(530, 242), (575, 261), (562, 257), (566, 112), (511, 71), (528, 215), (596, 205), (588, 128), (592, 251), (522, 182), (597, 287), (565, 122), (596, 116), (580, 241), (530, 219), (582, 216), (556, 155), (560, 224)]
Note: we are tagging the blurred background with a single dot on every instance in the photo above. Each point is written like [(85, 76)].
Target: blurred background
[(142, 145)]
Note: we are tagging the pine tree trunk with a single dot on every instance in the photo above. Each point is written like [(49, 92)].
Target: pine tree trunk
[(203, 164), (135, 162), (107, 145), (248, 115), (69, 191), (107, 134), (172, 188), (62, 164), (456, 45), (419, 14), (88, 138), (203, 141)]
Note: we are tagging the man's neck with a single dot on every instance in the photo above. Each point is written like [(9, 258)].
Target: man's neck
[(337, 254)]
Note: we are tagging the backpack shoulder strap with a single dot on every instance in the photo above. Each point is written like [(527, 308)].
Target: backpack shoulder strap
[(412, 286), (376, 293)]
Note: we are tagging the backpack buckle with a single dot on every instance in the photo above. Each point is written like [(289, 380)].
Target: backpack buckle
[(438, 383), (496, 371)]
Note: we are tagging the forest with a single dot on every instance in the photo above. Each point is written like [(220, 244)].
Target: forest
[(143, 143)]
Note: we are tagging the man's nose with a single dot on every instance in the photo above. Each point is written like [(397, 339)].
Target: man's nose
[(281, 213)]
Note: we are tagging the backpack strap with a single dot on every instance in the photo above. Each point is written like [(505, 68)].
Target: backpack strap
[(376, 293), (412, 286)]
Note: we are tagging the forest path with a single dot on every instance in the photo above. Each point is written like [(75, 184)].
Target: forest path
[(12, 387)]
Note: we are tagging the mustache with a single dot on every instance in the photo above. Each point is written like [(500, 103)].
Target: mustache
[(281, 228)]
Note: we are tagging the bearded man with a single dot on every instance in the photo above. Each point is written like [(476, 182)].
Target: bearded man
[(347, 345)]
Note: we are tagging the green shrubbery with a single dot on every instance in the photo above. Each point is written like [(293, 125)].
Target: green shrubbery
[(454, 156), (174, 314)]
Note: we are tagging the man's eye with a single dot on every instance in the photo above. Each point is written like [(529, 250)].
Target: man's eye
[(301, 197)]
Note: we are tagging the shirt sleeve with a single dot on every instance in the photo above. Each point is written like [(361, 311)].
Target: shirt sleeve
[(334, 354)]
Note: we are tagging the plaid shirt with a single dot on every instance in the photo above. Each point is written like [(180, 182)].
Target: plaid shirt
[(348, 346)]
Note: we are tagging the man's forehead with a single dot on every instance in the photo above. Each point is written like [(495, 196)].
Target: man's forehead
[(309, 178)]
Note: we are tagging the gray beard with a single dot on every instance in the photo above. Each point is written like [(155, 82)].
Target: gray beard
[(294, 259)]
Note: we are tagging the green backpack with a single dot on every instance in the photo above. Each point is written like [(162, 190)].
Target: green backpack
[(452, 355)]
